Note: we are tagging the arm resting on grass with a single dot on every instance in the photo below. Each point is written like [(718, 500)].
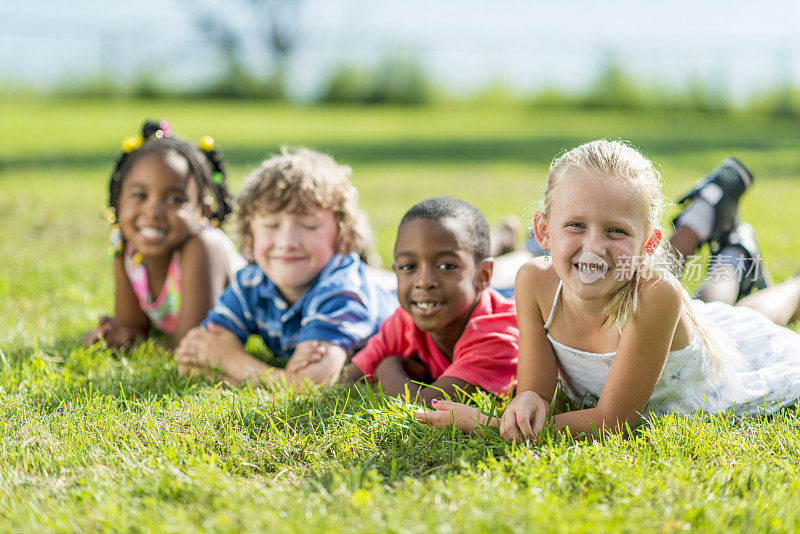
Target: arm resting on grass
[(394, 377)]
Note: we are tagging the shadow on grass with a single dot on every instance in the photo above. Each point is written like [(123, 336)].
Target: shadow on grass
[(531, 149)]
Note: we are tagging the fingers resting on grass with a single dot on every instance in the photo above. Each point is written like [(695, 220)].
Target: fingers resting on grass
[(446, 413), (525, 416), (306, 353)]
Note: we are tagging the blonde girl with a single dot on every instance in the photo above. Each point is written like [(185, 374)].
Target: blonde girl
[(605, 313)]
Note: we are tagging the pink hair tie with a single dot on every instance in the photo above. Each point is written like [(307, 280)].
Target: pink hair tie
[(165, 130)]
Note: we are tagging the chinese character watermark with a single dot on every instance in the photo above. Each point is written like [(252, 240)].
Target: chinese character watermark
[(720, 268)]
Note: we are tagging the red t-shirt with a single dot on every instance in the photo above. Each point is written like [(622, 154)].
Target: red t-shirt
[(485, 355)]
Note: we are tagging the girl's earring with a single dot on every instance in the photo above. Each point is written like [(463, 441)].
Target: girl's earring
[(116, 240), (115, 237)]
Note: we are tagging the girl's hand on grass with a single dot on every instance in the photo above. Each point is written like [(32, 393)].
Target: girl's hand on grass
[(115, 333), (465, 418), (524, 417)]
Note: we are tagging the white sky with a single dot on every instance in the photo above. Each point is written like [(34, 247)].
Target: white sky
[(467, 44)]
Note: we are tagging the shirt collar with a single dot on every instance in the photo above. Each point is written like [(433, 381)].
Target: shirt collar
[(270, 291)]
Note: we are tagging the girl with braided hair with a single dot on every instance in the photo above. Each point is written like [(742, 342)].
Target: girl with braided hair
[(167, 199)]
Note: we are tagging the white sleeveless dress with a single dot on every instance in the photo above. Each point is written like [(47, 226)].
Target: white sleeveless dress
[(767, 378)]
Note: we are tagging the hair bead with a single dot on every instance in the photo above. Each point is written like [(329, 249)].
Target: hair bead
[(132, 143), (206, 143)]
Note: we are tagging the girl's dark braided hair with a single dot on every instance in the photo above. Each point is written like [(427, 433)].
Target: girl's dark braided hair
[(206, 165)]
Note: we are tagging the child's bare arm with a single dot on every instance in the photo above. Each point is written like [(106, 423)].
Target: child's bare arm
[(197, 281), (396, 373), (465, 418), (129, 322), (537, 367), (351, 374), (218, 350), (641, 355)]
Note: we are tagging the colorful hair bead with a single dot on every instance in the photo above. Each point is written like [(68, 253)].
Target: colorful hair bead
[(207, 143), (218, 177), (131, 143), (166, 129)]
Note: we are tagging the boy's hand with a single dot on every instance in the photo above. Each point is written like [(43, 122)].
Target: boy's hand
[(115, 333), (305, 354), (319, 362), (524, 417), (202, 347), (446, 413)]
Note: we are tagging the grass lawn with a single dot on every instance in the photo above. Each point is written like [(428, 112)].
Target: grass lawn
[(98, 441)]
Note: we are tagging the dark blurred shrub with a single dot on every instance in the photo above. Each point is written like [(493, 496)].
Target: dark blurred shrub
[(398, 79), (554, 98), (783, 101), (241, 84), (699, 95), (347, 85), (614, 89), (236, 84)]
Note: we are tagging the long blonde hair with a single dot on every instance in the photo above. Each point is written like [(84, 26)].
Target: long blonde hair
[(618, 162)]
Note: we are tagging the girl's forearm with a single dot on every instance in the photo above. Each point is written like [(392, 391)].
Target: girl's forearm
[(592, 421)]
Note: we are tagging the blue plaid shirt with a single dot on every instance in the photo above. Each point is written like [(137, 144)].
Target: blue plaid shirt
[(342, 306)]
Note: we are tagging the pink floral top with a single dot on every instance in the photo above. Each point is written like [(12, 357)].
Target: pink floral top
[(163, 310)]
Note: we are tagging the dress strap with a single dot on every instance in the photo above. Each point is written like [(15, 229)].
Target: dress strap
[(553, 307)]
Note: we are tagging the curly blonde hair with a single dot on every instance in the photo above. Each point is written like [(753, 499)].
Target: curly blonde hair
[(299, 179)]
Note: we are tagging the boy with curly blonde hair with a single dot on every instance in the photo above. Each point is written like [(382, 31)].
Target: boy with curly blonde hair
[(307, 294)]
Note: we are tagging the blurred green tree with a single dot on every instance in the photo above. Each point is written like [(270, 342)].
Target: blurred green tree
[(271, 23)]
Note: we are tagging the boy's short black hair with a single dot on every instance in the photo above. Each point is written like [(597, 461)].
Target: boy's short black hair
[(468, 217)]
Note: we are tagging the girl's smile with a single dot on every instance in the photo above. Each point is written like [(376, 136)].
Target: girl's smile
[(591, 267)]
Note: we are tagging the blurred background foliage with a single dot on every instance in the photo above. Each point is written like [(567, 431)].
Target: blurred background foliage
[(401, 79), (253, 49)]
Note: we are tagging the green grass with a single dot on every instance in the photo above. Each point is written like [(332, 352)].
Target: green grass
[(93, 440)]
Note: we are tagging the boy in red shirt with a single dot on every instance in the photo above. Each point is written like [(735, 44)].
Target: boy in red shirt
[(452, 331)]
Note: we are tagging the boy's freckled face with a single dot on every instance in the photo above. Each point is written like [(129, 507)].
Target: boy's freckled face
[(293, 248), (438, 281)]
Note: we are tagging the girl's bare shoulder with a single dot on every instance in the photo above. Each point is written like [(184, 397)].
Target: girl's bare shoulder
[(661, 292), (537, 278)]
